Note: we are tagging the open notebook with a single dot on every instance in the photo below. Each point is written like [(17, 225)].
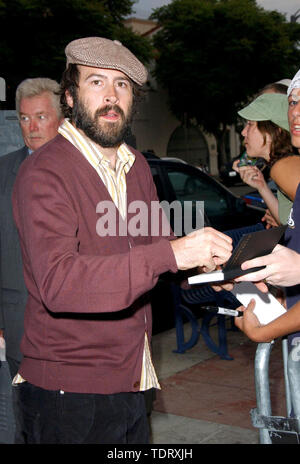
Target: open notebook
[(267, 307), (250, 246)]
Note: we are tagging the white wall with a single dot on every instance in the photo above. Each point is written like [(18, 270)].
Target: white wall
[(153, 125)]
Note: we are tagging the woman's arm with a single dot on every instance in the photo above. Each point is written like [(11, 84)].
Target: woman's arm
[(283, 325), (252, 176)]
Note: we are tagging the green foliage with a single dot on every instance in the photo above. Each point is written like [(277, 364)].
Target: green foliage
[(213, 55), (34, 34)]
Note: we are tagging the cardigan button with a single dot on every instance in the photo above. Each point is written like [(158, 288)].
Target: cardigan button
[(136, 384)]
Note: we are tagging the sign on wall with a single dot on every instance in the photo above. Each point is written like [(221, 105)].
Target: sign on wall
[(10, 133), (2, 89)]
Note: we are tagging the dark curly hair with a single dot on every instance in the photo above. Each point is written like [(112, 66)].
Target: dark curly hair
[(70, 82), (281, 145)]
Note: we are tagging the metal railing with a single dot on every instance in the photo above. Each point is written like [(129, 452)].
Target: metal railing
[(277, 429)]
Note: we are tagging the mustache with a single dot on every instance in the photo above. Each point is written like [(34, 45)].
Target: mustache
[(107, 108)]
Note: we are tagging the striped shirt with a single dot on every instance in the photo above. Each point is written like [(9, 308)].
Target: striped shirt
[(115, 182), (113, 179)]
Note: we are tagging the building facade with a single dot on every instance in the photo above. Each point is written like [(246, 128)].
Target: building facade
[(155, 128)]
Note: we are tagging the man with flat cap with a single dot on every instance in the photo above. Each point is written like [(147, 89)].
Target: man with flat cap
[(86, 357)]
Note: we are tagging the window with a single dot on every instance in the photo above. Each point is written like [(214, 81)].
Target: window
[(192, 187)]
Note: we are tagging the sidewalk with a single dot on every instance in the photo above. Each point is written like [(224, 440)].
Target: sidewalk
[(207, 400)]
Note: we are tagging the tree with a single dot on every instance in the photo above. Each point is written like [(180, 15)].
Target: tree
[(213, 55), (34, 34)]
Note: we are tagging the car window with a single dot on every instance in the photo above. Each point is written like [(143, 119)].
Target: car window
[(192, 187)]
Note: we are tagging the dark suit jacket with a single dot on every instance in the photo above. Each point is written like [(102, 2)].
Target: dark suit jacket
[(13, 293)]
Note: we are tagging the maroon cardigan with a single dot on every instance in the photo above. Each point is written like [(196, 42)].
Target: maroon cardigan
[(88, 306)]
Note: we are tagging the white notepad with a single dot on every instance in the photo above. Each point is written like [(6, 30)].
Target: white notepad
[(267, 307), (214, 276)]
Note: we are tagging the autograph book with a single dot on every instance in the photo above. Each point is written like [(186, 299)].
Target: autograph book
[(250, 246)]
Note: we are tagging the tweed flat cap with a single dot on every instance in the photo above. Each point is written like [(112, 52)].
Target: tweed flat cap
[(108, 54)]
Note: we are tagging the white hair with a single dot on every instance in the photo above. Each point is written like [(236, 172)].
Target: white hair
[(36, 86)]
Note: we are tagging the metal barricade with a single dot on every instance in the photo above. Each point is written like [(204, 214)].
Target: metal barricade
[(277, 429)]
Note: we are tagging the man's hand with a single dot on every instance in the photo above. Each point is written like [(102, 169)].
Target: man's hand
[(205, 248), (227, 285), (282, 268)]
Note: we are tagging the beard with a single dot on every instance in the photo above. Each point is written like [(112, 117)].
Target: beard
[(105, 134)]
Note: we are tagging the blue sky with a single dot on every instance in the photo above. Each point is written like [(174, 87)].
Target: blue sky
[(144, 8)]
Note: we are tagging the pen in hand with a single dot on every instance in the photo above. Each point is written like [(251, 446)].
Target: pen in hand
[(223, 311)]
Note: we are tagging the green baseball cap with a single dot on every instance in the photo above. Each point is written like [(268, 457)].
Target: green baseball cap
[(268, 107)]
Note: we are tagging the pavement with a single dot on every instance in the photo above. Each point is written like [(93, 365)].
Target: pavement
[(205, 399)]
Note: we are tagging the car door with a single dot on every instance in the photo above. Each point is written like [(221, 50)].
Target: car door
[(192, 185), (185, 215)]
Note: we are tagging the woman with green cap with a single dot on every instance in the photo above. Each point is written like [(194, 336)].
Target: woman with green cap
[(266, 135)]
